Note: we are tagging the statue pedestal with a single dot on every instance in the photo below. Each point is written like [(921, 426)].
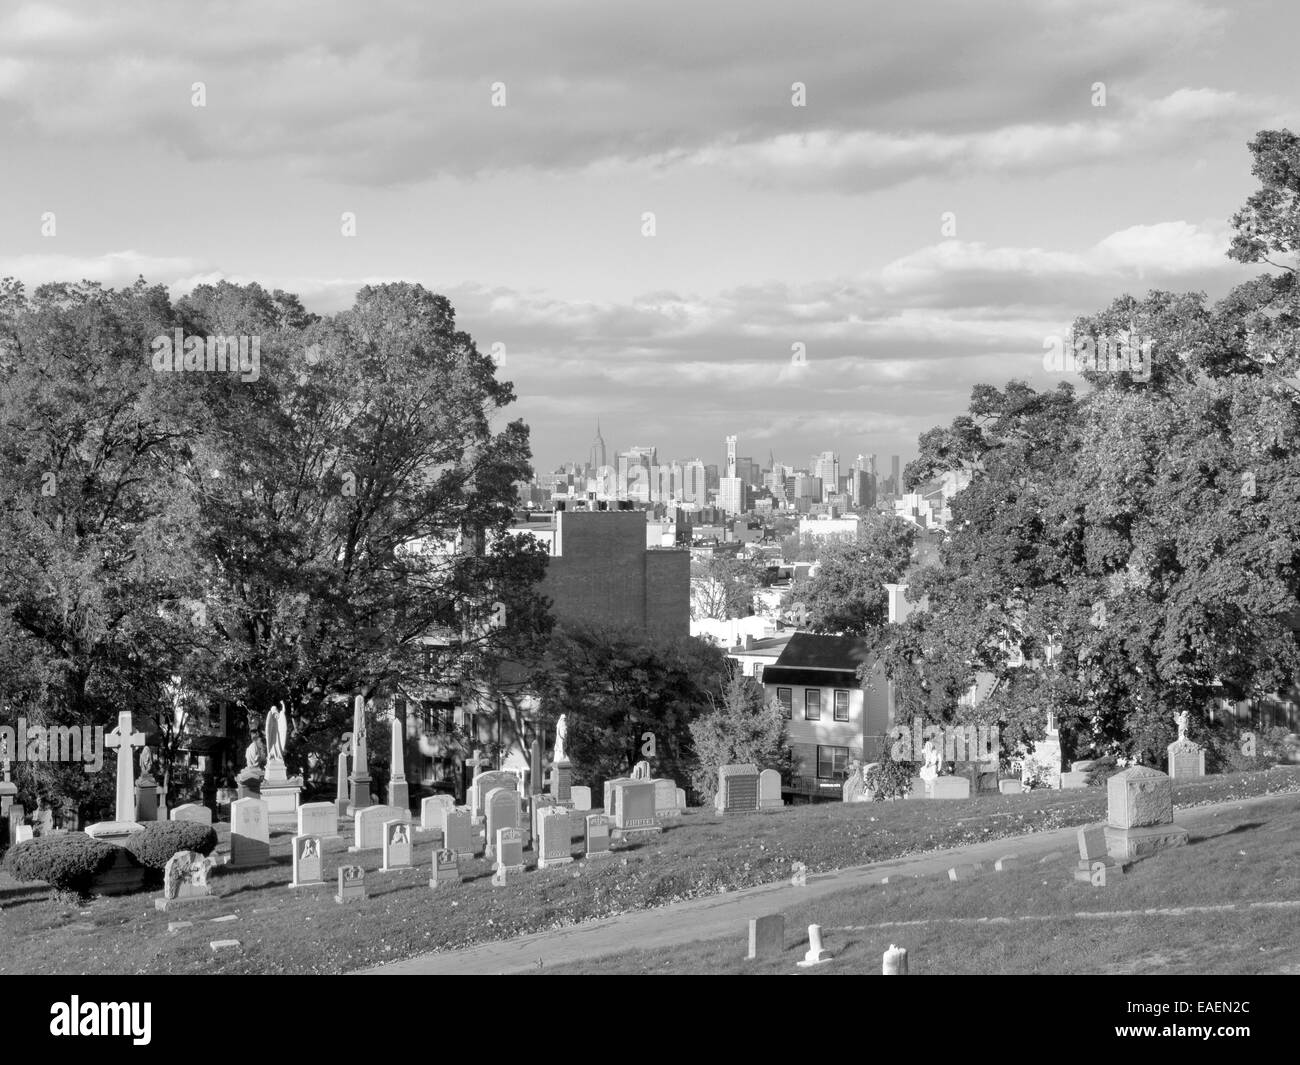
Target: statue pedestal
[(561, 781), (360, 793), (7, 792), (112, 830), (281, 798), (399, 794), (146, 799)]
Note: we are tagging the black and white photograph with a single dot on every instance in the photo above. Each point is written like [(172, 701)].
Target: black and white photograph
[(575, 488)]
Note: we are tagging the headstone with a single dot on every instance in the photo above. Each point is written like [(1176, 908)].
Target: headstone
[(854, 789), (431, 811), (611, 794), (445, 869), (250, 833), (666, 799), (318, 819), (634, 810), (1044, 760), (1074, 779), (950, 788), (1010, 787), (307, 859), (681, 799), (597, 829), (766, 937), (360, 779), (458, 833), (1092, 850), (737, 789), (1140, 814), (398, 792), (1006, 863), (581, 797), (368, 827), (397, 845), (341, 785), (554, 842), (352, 883), (562, 781), (800, 877), (192, 811), (1186, 760), (25, 833), (509, 850), (816, 954), (894, 962), (485, 782), (146, 798), (502, 806), (967, 872), (185, 879), (123, 738), (769, 790)]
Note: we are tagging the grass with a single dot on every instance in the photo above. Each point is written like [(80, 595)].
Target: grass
[(1217, 905), (283, 931)]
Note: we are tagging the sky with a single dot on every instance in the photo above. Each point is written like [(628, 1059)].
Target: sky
[(831, 267)]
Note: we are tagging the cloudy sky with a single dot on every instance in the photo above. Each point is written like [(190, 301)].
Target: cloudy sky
[(774, 224)]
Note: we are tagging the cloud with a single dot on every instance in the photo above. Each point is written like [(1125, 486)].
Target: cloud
[(409, 97)]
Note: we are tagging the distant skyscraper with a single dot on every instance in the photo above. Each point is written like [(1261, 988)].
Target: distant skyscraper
[(598, 457), (893, 469), (730, 467), (827, 467)]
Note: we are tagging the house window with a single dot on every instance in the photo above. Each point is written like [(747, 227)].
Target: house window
[(785, 697), (812, 705), (832, 763), (841, 706)]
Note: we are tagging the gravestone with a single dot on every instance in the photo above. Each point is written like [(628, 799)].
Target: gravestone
[(1140, 814), (562, 782), (445, 869), (185, 879), (399, 794), (634, 810), (122, 738), (250, 833), (1186, 760), (611, 794), (854, 788), (352, 884), (397, 845), (1010, 787), (1074, 778), (509, 850), (359, 781), (597, 829), (368, 827), (681, 799), (666, 799), (950, 788), (25, 833), (431, 811), (307, 859), (502, 806), (192, 811), (581, 797), (766, 936), (737, 789), (485, 782), (1093, 851), (769, 790), (341, 784), (458, 832), (318, 819), (554, 842)]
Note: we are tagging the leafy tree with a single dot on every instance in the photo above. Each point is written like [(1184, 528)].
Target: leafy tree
[(723, 586), (847, 594), (740, 728)]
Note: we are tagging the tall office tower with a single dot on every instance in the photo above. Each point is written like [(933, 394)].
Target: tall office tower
[(710, 476), (689, 481), (898, 481), (827, 467), (598, 458), (775, 478), (730, 467), (733, 495), (747, 470), (635, 468)]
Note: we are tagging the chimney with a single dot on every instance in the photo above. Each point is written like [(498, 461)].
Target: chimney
[(749, 642), (899, 607)]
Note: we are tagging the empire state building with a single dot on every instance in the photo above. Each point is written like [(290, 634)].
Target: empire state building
[(598, 458)]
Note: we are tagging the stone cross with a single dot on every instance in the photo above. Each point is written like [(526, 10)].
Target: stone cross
[(124, 739)]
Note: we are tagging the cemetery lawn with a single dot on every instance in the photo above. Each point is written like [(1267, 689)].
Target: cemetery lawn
[(1227, 902), (305, 931)]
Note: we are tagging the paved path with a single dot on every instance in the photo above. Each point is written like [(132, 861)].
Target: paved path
[(720, 915)]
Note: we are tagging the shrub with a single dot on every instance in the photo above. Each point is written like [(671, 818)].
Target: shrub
[(889, 779), (66, 863), (1102, 770), (159, 840)]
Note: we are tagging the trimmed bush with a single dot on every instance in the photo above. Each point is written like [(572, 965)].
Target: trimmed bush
[(889, 779), (67, 863), (159, 840)]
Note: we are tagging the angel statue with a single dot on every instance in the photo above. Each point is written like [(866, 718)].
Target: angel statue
[(930, 770), (277, 728), (252, 757), (1181, 719), (561, 735)]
